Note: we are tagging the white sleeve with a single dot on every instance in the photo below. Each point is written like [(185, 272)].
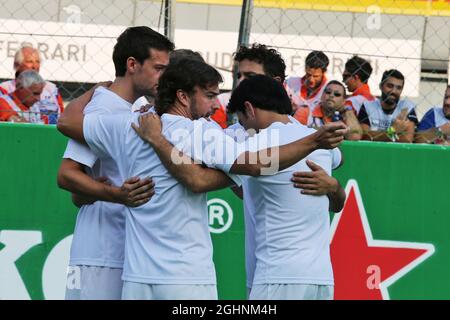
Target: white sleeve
[(104, 134), (218, 150), (336, 155), (140, 102), (80, 153)]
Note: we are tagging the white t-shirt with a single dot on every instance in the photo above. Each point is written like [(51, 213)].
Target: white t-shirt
[(239, 134), (292, 230), (167, 239), (99, 236), (139, 103), (373, 115)]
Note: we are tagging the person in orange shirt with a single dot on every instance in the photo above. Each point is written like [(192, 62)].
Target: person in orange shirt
[(306, 92), (28, 58), (19, 106), (356, 75), (332, 108)]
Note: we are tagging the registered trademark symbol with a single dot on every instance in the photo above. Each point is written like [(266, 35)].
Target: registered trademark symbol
[(220, 215)]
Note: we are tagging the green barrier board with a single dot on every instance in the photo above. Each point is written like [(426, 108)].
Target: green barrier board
[(389, 242)]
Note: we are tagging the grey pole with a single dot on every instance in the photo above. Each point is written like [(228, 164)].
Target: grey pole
[(243, 40), (169, 19), (244, 31)]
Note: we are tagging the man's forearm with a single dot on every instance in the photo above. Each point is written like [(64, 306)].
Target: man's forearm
[(407, 137), (79, 200), (70, 123), (195, 177), (72, 178), (427, 136), (351, 121), (272, 160), (336, 198), (376, 136)]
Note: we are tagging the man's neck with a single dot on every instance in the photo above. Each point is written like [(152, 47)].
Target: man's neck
[(311, 91), (124, 89), (388, 108), (359, 87), (267, 118), (178, 109)]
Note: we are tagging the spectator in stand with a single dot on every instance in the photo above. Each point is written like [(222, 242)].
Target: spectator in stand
[(306, 92), (389, 118), (20, 105), (28, 58), (332, 108), (356, 75), (435, 125), (257, 59)]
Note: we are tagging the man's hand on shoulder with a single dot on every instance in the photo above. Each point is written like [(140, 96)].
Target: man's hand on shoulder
[(149, 128)]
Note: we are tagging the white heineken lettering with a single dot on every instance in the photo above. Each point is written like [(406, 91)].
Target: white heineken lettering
[(17, 243), (54, 273)]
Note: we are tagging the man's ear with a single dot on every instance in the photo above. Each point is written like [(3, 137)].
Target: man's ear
[(131, 64), (249, 109), (183, 98)]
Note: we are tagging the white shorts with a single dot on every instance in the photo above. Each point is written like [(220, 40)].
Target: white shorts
[(291, 292), (144, 291), (94, 283)]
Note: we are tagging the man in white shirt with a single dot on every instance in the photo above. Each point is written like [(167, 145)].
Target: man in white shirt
[(263, 60), (140, 56), (168, 251), (389, 118), (291, 229), (435, 124)]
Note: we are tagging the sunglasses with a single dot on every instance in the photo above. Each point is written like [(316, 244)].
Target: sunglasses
[(335, 93)]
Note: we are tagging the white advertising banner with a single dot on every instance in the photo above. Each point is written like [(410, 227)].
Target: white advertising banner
[(83, 52)]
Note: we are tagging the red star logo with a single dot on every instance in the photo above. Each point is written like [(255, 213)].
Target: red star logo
[(363, 267)]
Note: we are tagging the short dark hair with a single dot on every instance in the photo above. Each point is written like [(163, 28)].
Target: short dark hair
[(136, 42), (392, 73), (262, 92), (317, 59), (337, 83), (180, 54), (360, 67), (271, 60), (184, 75)]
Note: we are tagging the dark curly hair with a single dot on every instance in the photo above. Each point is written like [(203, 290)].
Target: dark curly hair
[(185, 75), (271, 60)]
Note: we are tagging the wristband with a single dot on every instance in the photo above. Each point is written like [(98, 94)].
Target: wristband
[(392, 134)]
